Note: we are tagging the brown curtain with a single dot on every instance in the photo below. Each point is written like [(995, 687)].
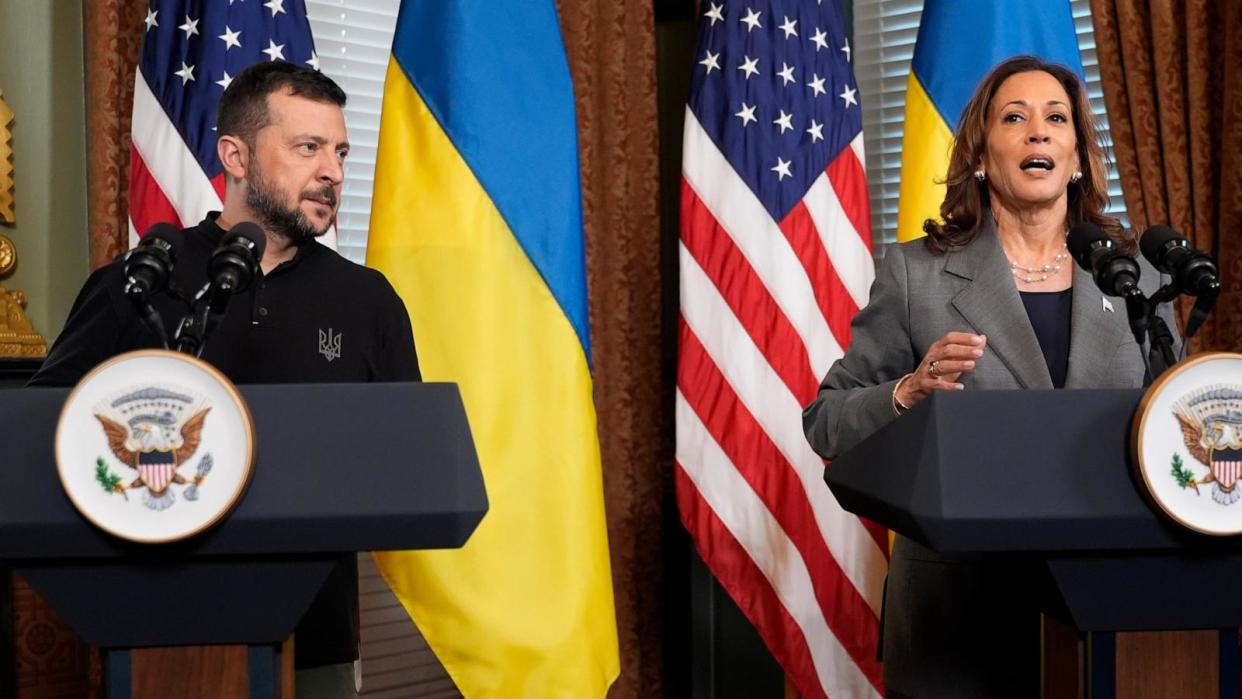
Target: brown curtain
[(611, 48), (113, 34), (1172, 76)]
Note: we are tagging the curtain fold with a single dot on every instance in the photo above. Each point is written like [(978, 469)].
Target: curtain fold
[(113, 36), (611, 48), (1172, 77)]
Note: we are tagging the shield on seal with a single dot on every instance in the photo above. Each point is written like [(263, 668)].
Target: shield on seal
[(1226, 467), (157, 469)]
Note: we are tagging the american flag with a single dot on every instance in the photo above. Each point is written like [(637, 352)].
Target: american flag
[(775, 261), (190, 51)]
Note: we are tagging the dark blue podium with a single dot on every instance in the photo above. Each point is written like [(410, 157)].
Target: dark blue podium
[(339, 468), (1045, 474)]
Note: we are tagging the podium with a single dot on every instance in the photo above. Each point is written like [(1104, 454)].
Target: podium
[(1046, 474), (339, 468)]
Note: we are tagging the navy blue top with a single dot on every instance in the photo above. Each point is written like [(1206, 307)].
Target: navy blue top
[(1049, 312)]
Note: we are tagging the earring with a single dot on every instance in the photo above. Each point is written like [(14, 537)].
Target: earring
[(980, 175), (1076, 176)]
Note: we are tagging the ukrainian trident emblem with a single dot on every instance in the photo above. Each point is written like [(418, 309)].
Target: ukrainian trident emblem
[(329, 344), (154, 431), (1211, 422)]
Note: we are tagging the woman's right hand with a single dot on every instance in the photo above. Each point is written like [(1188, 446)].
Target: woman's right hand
[(945, 362)]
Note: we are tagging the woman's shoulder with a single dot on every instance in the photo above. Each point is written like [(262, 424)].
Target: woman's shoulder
[(916, 253)]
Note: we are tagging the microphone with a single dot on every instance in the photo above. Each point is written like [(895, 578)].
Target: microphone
[(1116, 273), (149, 266), (148, 270), (231, 269), (235, 261), (1193, 272)]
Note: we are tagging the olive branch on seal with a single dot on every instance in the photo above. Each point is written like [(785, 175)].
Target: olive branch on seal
[(110, 481), (1185, 478)]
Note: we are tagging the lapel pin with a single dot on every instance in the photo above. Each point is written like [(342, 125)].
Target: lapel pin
[(1107, 305)]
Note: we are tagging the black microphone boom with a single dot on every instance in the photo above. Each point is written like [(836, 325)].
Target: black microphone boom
[(1193, 272), (1116, 273)]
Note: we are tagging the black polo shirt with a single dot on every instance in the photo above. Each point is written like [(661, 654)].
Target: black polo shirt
[(316, 318)]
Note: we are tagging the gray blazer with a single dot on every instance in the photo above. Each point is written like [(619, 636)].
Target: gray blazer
[(947, 628)]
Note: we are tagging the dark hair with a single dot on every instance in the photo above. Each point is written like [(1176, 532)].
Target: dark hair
[(243, 106), (966, 200)]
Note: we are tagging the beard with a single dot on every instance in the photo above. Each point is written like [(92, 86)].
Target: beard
[(265, 201)]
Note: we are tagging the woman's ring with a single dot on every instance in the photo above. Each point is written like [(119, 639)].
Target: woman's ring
[(934, 369)]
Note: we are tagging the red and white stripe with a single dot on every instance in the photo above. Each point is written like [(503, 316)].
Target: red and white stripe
[(1227, 472), (166, 183), (765, 310), (157, 476)]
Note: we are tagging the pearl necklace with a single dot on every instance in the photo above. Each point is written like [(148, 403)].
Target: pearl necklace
[(1034, 275)]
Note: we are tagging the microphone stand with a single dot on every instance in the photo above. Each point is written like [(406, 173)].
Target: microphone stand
[(150, 317), (1160, 352)]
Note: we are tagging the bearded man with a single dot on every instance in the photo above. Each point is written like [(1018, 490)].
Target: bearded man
[(310, 316)]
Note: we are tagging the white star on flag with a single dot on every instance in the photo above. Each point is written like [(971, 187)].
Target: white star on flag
[(785, 121), (751, 20), (190, 27), (782, 169), (230, 38), (846, 49), (275, 6), (816, 131), (314, 61), (790, 27), (186, 73), (150, 20), (274, 50), (715, 14), (224, 83), (747, 114), (711, 61), (749, 66), (820, 38), (848, 96), (816, 85), (786, 73)]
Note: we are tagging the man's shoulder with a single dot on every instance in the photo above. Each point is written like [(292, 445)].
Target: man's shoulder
[(347, 271)]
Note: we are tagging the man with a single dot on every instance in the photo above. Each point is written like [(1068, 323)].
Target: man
[(311, 316)]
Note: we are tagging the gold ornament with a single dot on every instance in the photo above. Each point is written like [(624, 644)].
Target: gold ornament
[(6, 164)]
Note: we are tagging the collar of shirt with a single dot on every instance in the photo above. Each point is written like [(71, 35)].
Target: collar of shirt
[(212, 230)]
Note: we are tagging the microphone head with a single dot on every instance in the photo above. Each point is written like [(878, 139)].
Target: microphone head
[(1156, 242), (1083, 239), (162, 231), (149, 265), (250, 231)]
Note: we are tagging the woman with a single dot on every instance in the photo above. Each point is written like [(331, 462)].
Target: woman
[(988, 300)]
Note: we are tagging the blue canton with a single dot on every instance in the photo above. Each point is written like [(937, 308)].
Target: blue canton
[(774, 89)]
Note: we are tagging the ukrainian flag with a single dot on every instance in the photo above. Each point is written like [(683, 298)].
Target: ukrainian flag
[(477, 223), (959, 42)]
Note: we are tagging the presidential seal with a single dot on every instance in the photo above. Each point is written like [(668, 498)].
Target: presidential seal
[(154, 446), (1187, 443)]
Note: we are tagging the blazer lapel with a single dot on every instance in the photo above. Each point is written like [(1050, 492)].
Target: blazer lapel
[(990, 303), (1098, 325)]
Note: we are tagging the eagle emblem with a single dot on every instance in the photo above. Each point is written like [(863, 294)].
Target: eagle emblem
[(154, 430), (1211, 422)]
